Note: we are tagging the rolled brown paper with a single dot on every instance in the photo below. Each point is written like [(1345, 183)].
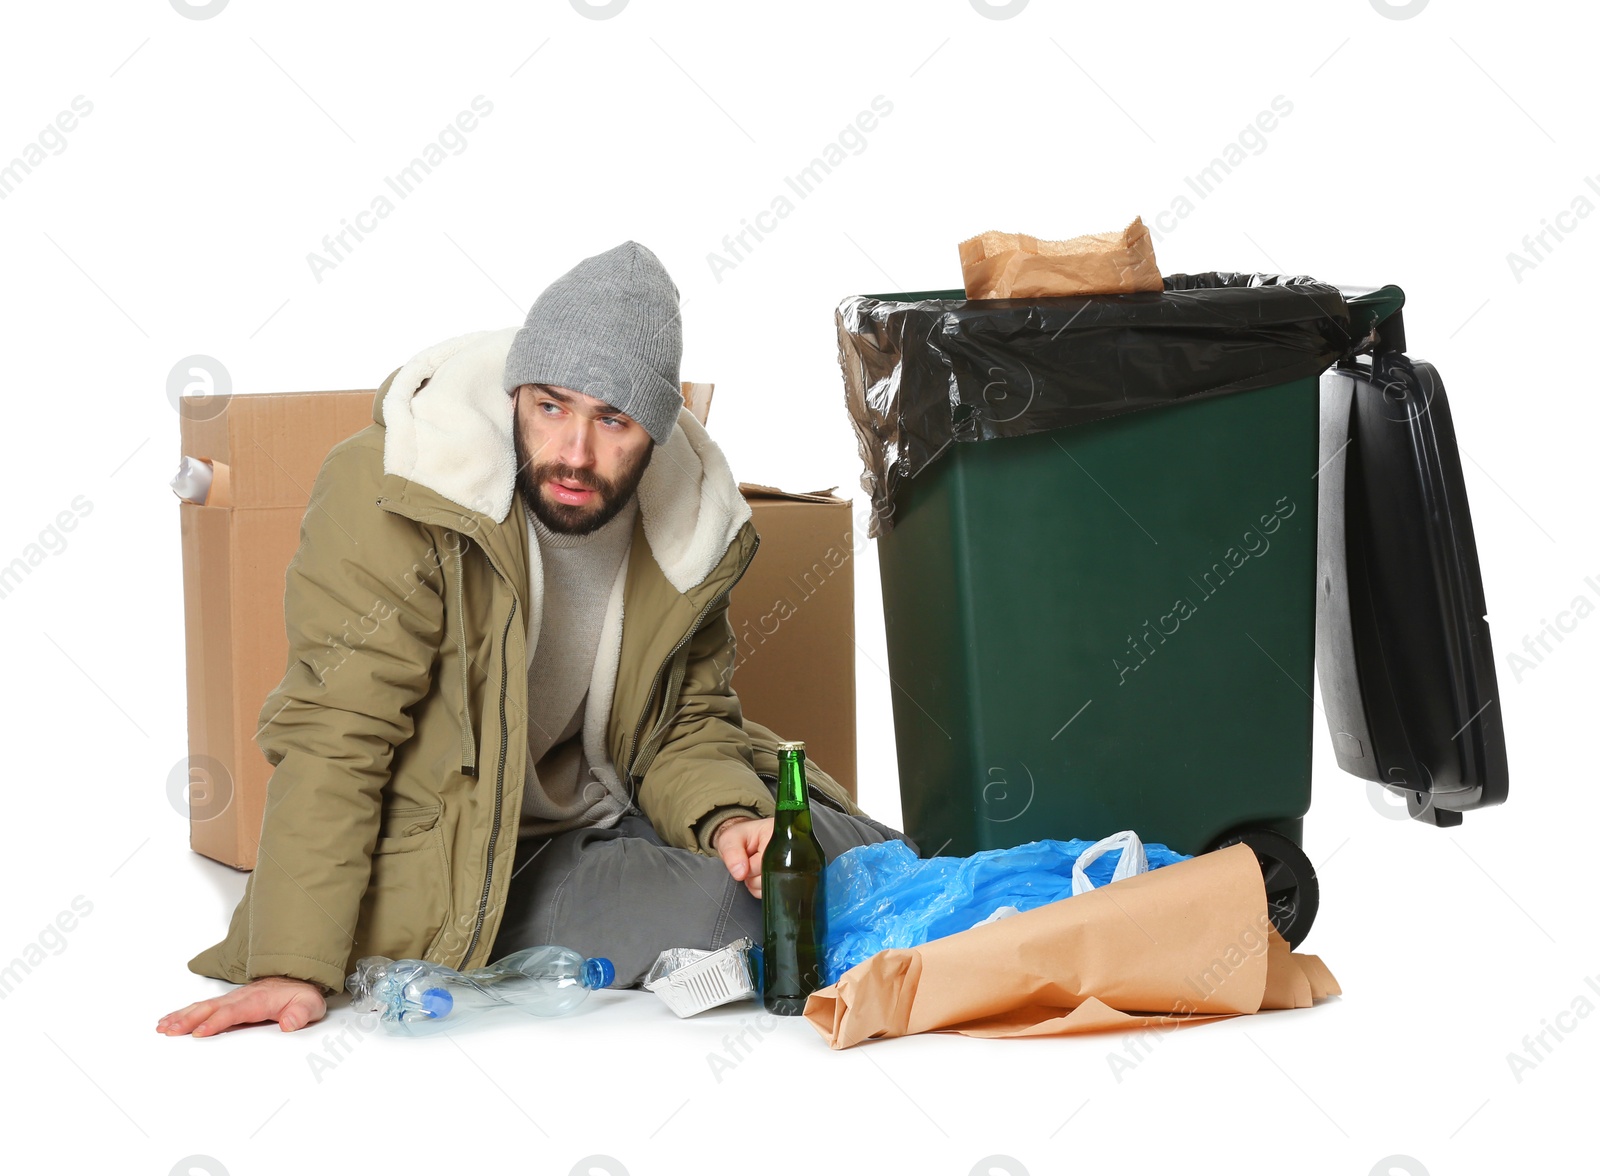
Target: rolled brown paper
[(1187, 942), (1015, 265)]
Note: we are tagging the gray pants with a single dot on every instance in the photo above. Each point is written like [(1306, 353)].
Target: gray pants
[(624, 894)]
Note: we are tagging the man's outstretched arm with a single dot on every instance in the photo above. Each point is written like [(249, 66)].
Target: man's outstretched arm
[(364, 610), (704, 772)]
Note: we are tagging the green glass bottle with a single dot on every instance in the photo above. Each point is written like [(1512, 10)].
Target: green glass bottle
[(794, 909)]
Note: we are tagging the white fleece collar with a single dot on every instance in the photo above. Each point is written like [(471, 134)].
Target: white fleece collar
[(455, 437)]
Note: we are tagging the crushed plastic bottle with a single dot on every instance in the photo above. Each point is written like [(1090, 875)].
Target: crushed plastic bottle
[(192, 482), (413, 995)]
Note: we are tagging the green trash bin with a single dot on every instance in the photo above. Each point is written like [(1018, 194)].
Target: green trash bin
[(1097, 540)]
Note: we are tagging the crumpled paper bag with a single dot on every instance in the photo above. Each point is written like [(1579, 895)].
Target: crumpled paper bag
[(1015, 265), (1188, 942)]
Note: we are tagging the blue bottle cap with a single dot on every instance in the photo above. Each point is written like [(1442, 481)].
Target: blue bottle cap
[(598, 972), (437, 1002)]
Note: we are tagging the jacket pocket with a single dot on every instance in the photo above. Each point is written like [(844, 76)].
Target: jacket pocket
[(407, 900), (406, 827)]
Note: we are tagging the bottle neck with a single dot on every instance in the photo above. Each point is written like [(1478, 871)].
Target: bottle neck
[(792, 781)]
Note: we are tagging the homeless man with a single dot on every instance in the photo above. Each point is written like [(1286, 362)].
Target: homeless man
[(507, 717)]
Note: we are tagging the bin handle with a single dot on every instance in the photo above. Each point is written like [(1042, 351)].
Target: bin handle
[(1372, 308)]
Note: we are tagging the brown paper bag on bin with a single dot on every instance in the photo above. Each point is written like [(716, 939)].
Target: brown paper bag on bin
[(1015, 265), (1187, 942)]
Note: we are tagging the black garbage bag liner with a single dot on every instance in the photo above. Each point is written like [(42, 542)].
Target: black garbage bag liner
[(921, 374)]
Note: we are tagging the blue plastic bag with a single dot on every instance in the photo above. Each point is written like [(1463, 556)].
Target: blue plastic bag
[(883, 895)]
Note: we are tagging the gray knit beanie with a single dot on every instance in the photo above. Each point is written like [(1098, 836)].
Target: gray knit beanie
[(608, 327)]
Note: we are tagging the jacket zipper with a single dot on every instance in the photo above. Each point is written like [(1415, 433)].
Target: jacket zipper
[(500, 767), (499, 785), (633, 748)]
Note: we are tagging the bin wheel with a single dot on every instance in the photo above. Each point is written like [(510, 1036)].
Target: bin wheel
[(1291, 880)]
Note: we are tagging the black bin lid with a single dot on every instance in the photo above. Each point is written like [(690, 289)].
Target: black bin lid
[(1403, 653)]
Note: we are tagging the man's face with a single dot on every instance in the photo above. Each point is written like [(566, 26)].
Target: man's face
[(579, 459)]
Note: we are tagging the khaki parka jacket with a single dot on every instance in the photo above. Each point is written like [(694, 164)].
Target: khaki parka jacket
[(398, 735)]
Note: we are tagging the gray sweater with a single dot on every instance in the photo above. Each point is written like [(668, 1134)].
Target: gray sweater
[(579, 571)]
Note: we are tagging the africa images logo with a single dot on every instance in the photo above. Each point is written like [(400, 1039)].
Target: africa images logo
[(1254, 543)]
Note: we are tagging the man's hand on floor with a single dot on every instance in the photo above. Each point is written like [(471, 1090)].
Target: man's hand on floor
[(293, 1004), (741, 841)]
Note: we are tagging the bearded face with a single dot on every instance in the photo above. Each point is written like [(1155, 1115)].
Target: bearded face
[(579, 459)]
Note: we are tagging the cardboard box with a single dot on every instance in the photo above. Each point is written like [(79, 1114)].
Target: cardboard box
[(792, 613), (793, 617), (794, 620), (234, 557)]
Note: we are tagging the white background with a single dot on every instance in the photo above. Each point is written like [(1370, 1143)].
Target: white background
[(177, 219)]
